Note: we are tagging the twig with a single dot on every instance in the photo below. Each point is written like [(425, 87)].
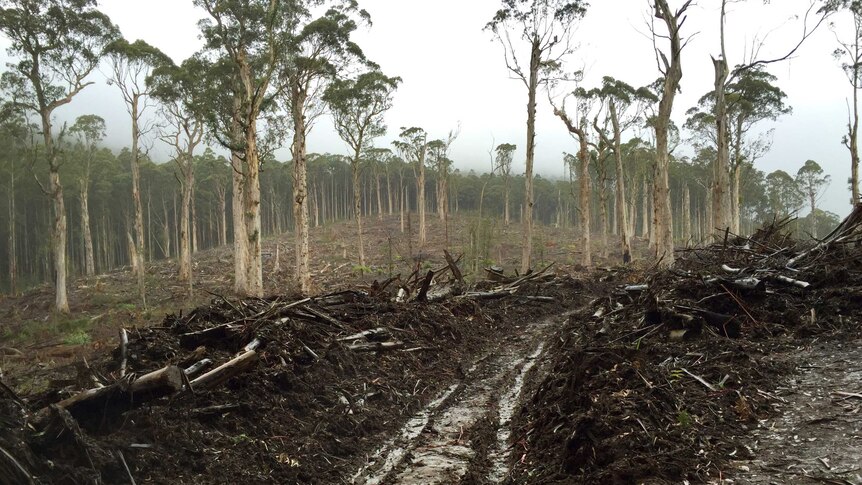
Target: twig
[(700, 379), (741, 305), (126, 466), (308, 350)]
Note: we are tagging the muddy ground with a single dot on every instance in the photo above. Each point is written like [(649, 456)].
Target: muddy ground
[(314, 407), (738, 365)]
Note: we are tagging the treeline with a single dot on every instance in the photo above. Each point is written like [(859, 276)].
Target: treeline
[(388, 188), (269, 69)]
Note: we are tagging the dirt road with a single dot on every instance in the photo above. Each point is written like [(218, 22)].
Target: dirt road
[(816, 437), (464, 433)]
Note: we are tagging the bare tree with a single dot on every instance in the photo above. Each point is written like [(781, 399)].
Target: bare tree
[(579, 128), (544, 28), (132, 65), (671, 71), (503, 163), (849, 53), (90, 131)]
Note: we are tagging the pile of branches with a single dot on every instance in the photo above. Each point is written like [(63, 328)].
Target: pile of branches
[(658, 376), (324, 358)]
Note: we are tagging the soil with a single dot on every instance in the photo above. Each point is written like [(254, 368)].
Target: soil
[(815, 435), (680, 378), (738, 365)]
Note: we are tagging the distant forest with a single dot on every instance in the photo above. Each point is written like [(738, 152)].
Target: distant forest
[(387, 182)]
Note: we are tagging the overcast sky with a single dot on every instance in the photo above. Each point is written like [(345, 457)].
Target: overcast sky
[(453, 72)]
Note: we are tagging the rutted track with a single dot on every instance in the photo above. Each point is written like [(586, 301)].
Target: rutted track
[(439, 444)]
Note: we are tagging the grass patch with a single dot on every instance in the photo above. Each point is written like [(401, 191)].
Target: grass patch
[(56, 326), (79, 337)]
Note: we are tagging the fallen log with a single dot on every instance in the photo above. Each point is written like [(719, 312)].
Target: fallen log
[(162, 382), (197, 367), (224, 372), (487, 295), (326, 318), (791, 281), (440, 292)]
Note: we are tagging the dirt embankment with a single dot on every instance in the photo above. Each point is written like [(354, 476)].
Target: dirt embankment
[(702, 372)]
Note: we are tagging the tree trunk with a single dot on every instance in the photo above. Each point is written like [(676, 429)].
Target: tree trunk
[(812, 197), (55, 188), (584, 209), (240, 242), (420, 194), (661, 189), (251, 213), (854, 134), (603, 217), (389, 194), (357, 203), (13, 258), (506, 200), (402, 196), (166, 230), (621, 212), (136, 199), (735, 201), (645, 218), (721, 204), (379, 197), (194, 216), (300, 191), (185, 252), (527, 235), (133, 252), (221, 194), (89, 259), (686, 215)]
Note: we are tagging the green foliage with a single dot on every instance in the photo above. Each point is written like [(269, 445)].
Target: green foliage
[(362, 269), (783, 193), (684, 419), (79, 337)]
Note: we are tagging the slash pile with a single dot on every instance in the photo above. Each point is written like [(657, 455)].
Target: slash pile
[(659, 379), (284, 389)]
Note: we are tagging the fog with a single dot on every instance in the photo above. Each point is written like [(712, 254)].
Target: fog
[(453, 72)]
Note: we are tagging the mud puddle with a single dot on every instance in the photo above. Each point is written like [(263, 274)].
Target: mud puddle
[(436, 445), (816, 437)]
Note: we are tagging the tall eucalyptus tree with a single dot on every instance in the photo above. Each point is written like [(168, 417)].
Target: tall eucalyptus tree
[(544, 29), (55, 45)]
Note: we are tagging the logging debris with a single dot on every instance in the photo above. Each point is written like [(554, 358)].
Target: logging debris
[(300, 386), (661, 378)]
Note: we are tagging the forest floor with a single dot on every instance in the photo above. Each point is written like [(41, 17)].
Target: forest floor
[(719, 370)]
